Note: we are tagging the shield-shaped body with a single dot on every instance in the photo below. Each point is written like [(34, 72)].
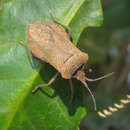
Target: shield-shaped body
[(49, 42)]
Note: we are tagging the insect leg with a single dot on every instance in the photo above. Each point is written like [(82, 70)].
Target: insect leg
[(43, 85), (64, 26), (26, 49), (72, 90), (30, 56)]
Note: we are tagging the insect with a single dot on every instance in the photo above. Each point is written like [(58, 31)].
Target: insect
[(51, 43)]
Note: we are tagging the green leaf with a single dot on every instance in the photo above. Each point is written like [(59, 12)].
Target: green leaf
[(49, 108)]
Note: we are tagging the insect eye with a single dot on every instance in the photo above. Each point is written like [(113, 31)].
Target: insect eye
[(75, 72)]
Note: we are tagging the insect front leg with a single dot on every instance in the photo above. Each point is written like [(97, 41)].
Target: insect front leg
[(43, 85), (64, 26)]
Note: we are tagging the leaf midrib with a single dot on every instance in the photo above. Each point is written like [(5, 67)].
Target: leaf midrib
[(72, 12)]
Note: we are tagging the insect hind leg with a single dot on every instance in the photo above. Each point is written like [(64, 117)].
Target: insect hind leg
[(30, 56), (27, 51), (64, 26)]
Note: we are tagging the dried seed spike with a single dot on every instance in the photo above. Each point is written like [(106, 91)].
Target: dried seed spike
[(106, 112), (101, 114), (119, 106), (124, 101), (112, 109), (128, 96), (115, 108)]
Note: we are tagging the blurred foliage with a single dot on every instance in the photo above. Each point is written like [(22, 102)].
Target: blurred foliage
[(109, 50)]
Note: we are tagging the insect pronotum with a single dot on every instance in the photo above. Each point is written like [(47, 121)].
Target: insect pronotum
[(50, 42)]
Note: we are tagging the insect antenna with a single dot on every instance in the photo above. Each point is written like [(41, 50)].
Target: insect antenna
[(102, 77), (94, 101), (80, 75)]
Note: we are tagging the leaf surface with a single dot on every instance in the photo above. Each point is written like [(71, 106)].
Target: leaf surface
[(47, 109)]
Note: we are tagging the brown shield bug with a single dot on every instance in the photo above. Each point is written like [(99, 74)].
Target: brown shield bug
[(50, 43)]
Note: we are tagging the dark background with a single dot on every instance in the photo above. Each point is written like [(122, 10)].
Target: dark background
[(108, 48)]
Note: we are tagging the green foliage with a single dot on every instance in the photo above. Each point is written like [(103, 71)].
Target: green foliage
[(48, 109)]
